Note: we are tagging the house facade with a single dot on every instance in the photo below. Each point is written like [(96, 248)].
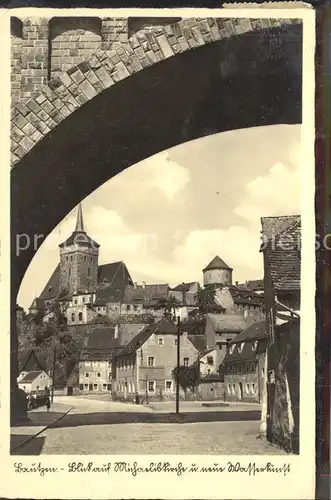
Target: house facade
[(244, 365), (34, 381), (281, 249), (145, 366)]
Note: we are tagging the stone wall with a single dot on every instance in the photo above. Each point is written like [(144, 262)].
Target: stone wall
[(284, 387)]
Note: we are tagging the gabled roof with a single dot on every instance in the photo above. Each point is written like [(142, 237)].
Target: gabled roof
[(127, 331), (163, 326), (255, 331), (227, 323), (102, 338), (30, 361), (241, 348), (114, 272), (148, 294), (217, 263), (184, 287), (30, 377), (283, 251)]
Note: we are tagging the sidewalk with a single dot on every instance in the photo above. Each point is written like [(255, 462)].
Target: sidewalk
[(39, 420), (203, 406)]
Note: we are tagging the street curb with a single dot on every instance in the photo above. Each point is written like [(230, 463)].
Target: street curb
[(27, 440)]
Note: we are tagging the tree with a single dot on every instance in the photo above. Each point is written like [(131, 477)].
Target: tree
[(188, 377), (169, 306), (206, 301)]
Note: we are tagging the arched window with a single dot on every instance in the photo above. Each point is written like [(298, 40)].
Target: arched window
[(73, 317), (241, 346), (80, 316)]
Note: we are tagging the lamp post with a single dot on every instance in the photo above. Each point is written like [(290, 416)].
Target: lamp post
[(178, 364)]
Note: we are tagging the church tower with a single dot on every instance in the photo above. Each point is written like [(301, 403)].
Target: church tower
[(217, 273), (78, 260)]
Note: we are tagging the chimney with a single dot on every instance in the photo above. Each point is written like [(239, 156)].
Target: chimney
[(236, 283)]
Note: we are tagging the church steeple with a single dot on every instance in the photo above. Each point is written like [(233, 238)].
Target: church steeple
[(79, 222)]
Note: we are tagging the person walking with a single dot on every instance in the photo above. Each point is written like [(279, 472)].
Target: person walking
[(48, 400)]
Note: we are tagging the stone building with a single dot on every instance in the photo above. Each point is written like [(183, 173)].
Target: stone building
[(217, 273), (146, 364), (244, 365), (281, 249)]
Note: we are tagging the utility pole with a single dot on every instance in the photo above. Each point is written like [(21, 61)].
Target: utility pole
[(178, 364), (147, 400), (53, 372)]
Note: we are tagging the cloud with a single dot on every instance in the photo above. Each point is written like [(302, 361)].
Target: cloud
[(276, 193)]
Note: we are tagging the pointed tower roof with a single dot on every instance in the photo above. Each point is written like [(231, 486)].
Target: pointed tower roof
[(79, 222), (79, 235), (217, 263)]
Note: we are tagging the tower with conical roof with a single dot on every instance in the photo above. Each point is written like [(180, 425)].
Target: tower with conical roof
[(217, 273), (79, 256)]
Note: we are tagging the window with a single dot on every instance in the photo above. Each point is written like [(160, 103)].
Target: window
[(75, 301), (84, 258), (160, 341), (168, 385), (176, 341), (210, 360), (229, 389), (69, 271), (89, 271), (95, 386), (241, 346), (253, 388), (104, 386), (81, 387), (254, 345), (231, 348), (135, 308), (151, 386), (91, 259), (83, 299), (262, 372), (71, 258), (247, 388), (24, 387), (37, 387), (86, 386), (151, 361), (186, 361), (66, 259), (128, 307), (98, 374), (72, 316), (233, 388), (80, 316), (87, 375)]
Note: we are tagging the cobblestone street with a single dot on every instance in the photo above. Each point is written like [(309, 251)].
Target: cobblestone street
[(106, 427)]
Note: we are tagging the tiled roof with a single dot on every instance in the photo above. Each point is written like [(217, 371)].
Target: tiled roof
[(241, 349), (114, 272), (127, 331), (147, 294), (199, 342), (113, 292), (30, 377), (183, 287), (238, 293), (163, 326), (227, 323), (217, 263), (255, 331), (274, 226), (29, 361), (102, 338), (283, 252), (51, 289)]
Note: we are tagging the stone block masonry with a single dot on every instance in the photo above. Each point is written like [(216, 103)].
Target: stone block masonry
[(59, 64)]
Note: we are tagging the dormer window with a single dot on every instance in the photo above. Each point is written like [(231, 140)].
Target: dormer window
[(240, 347)]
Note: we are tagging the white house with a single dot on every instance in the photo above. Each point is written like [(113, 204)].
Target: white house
[(33, 381)]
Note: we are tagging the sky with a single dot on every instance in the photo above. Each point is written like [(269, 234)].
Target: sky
[(169, 215)]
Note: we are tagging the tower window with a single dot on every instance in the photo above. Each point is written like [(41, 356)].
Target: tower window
[(73, 317), (84, 258), (80, 316), (69, 271), (89, 271)]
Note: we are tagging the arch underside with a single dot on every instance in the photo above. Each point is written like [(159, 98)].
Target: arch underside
[(229, 84)]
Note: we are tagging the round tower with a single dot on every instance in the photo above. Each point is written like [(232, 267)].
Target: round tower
[(217, 273), (78, 260)]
